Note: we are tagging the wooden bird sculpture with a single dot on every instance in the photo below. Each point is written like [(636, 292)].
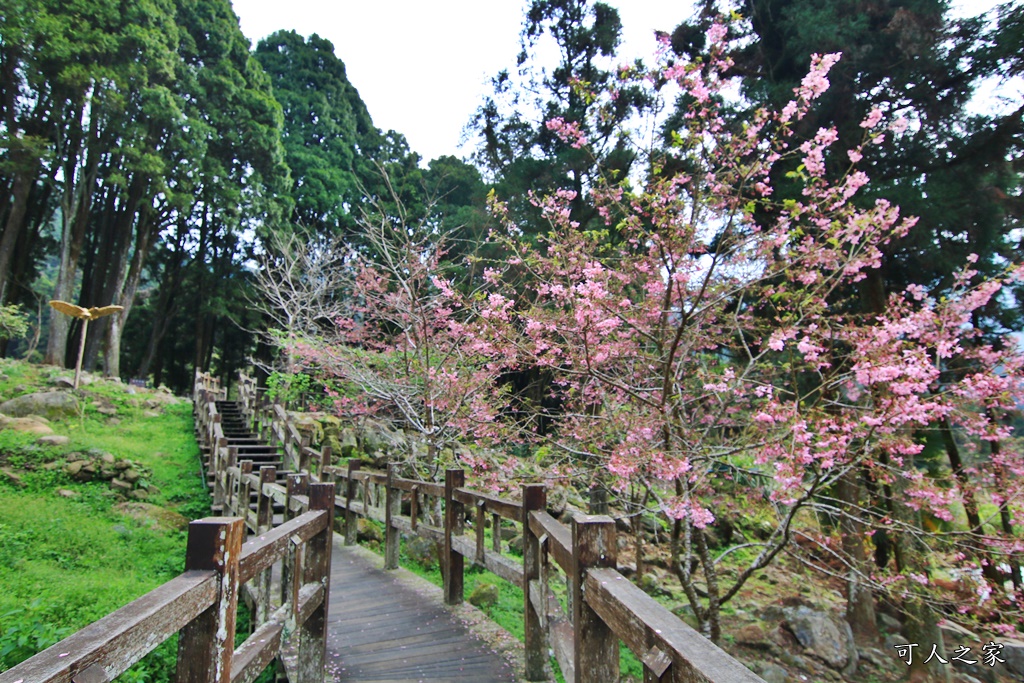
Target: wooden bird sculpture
[(85, 315)]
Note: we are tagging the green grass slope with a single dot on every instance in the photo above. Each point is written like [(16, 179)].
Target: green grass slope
[(73, 550)]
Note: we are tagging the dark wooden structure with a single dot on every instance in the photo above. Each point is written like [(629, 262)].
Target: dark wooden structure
[(298, 491), (381, 628), (604, 607)]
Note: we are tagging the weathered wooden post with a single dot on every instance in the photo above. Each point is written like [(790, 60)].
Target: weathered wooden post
[(454, 514), (393, 508), (351, 525), (595, 646), (534, 500), (480, 522), (206, 644), (316, 569), (264, 522), (298, 485), (304, 440), (244, 491), (217, 458), (325, 462), (231, 489), (414, 507), (496, 532)]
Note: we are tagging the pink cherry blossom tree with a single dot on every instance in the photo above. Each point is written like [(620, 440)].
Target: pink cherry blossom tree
[(688, 342), (404, 349)]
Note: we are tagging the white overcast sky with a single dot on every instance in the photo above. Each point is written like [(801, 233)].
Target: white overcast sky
[(422, 68)]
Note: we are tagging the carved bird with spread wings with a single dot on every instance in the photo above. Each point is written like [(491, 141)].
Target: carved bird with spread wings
[(84, 313)]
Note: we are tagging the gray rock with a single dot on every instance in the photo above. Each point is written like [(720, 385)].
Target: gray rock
[(53, 440), (367, 531), (558, 497), (752, 635), (53, 405), (772, 673), (421, 551), (11, 477), (348, 446), (1013, 653), (28, 425), (794, 660), (827, 638), (484, 595), (889, 623)]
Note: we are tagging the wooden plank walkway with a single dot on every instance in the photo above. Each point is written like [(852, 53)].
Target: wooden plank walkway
[(383, 628)]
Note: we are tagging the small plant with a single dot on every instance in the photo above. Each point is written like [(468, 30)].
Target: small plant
[(13, 323), (25, 632)]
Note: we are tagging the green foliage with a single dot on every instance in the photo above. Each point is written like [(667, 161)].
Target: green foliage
[(13, 323), (26, 631), (326, 125), (525, 155), (67, 561), (303, 391)]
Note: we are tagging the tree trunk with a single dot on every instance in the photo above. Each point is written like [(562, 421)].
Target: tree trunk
[(79, 178), (860, 603), (128, 276), (13, 227), (988, 568)]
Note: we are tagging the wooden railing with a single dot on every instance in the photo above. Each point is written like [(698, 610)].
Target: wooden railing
[(201, 603), (604, 607)]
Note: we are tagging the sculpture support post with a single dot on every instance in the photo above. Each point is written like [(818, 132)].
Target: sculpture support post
[(81, 351)]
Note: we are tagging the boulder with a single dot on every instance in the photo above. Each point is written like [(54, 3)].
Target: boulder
[(823, 636), (421, 551), (752, 635), (29, 425), (558, 497), (367, 531), (153, 516), (11, 477), (484, 595), (54, 405), (1013, 653), (772, 673), (348, 446), (53, 440), (67, 493)]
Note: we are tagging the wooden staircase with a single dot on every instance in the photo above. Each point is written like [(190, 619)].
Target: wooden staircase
[(249, 446)]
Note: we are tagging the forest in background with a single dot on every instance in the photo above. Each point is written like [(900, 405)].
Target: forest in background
[(801, 281), (148, 154)]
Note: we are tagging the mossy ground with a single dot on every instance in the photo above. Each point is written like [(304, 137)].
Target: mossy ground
[(67, 561)]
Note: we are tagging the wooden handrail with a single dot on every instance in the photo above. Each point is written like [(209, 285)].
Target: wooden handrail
[(121, 638), (605, 607), (200, 604)]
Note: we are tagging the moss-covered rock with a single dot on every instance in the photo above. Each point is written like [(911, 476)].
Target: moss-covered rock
[(484, 595)]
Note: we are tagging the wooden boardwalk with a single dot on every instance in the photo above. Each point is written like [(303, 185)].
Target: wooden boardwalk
[(382, 627)]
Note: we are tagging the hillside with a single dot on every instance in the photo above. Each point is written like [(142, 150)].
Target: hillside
[(96, 493)]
